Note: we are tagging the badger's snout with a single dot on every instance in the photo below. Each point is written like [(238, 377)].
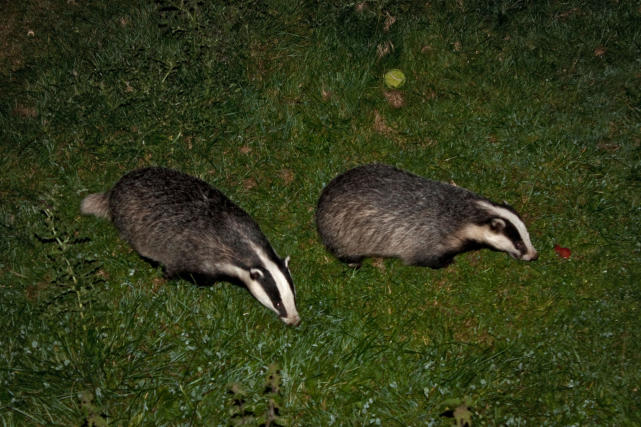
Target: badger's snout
[(293, 320), (530, 256)]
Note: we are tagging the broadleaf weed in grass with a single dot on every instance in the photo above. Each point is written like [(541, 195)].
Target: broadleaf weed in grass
[(260, 407), (459, 410), (71, 273), (92, 415)]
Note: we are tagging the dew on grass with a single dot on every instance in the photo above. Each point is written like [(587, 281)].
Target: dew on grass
[(366, 405), (514, 421)]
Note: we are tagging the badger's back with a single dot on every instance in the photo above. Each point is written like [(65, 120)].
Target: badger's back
[(378, 210), (180, 221)]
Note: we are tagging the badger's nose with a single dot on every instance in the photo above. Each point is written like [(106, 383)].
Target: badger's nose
[(291, 320), (532, 256)]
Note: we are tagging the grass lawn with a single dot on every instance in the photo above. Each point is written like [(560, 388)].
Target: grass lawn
[(534, 102)]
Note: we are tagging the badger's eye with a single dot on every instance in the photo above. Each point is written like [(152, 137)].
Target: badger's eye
[(497, 225), (520, 246), (256, 274)]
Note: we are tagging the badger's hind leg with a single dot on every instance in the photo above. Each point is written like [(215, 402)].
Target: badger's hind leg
[(169, 272)]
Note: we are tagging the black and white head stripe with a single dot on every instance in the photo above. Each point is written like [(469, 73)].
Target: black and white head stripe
[(272, 285), (507, 232)]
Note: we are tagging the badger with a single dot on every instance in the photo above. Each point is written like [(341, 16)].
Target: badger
[(190, 227), (378, 210)]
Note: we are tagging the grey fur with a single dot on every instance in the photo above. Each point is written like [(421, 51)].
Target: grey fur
[(378, 210), (186, 225)]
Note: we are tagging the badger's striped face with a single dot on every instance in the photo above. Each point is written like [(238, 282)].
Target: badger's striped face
[(271, 283), (505, 232)]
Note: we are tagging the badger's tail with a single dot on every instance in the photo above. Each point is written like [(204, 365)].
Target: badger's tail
[(96, 204)]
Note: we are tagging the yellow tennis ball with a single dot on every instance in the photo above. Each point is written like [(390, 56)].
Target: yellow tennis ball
[(394, 78)]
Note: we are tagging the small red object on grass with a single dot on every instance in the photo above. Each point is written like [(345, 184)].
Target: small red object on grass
[(562, 252)]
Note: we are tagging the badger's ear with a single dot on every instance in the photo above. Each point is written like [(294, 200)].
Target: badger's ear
[(287, 261), (256, 273), (497, 224)]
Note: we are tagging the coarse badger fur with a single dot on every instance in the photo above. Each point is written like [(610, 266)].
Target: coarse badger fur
[(189, 227), (381, 211)]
